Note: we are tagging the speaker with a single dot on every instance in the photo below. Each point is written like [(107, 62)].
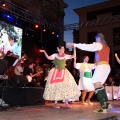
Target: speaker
[(110, 118), (18, 81)]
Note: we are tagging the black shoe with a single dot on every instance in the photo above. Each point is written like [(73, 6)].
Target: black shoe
[(101, 110), (108, 106)]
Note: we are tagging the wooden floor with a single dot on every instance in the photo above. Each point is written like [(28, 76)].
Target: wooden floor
[(47, 112)]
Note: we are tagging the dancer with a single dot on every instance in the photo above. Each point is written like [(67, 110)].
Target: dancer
[(60, 83), (85, 84), (102, 70)]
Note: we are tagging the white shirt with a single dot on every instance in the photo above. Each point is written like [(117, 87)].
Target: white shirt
[(95, 46)]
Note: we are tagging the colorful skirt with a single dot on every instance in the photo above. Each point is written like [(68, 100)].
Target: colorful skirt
[(61, 85)]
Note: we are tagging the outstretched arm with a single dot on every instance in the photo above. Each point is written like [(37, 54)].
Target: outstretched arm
[(116, 56), (46, 55), (71, 56), (87, 47)]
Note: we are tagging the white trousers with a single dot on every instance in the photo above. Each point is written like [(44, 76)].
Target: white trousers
[(101, 73)]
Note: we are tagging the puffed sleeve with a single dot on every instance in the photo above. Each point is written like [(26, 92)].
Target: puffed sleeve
[(67, 56), (54, 55), (77, 65)]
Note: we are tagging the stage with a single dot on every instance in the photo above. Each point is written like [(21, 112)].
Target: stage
[(47, 112)]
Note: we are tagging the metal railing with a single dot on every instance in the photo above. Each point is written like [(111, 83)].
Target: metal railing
[(24, 14), (93, 23)]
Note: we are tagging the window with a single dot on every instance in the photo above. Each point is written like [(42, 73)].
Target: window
[(91, 37), (116, 10), (116, 36), (76, 36), (91, 16)]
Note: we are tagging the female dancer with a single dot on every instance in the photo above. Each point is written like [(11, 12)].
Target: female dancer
[(85, 83), (60, 83)]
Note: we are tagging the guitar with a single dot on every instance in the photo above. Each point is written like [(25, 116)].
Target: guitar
[(29, 77), (18, 70)]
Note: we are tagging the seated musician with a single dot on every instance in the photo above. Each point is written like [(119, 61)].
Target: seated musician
[(28, 72)]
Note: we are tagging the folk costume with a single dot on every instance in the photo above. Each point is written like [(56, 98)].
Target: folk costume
[(60, 83), (102, 70), (85, 82)]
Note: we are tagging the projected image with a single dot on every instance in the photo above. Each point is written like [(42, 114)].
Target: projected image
[(10, 39)]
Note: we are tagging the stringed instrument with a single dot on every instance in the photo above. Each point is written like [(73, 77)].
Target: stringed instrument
[(29, 77)]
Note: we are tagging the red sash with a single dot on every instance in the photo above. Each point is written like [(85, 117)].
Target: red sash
[(58, 76)]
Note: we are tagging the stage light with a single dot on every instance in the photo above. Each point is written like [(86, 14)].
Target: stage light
[(3, 3), (8, 17), (36, 26), (44, 30), (53, 33), (57, 35)]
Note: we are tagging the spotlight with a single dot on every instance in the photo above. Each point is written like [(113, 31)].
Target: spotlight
[(57, 35), (44, 30), (53, 33), (3, 4), (36, 26)]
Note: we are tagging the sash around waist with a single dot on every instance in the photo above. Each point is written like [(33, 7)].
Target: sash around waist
[(87, 74), (101, 63)]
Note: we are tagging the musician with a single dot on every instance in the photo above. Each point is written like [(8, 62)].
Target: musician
[(28, 72), (19, 68)]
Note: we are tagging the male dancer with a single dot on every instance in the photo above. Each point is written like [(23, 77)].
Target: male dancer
[(102, 70)]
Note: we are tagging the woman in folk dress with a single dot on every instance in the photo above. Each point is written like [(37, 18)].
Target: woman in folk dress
[(60, 83), (85, 83)]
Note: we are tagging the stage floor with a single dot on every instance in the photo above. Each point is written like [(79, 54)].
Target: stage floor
[(47, 112)]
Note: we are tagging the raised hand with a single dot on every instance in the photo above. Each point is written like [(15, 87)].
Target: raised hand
[(41, 50), (70, 44), (74, 53), (116, 55)]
